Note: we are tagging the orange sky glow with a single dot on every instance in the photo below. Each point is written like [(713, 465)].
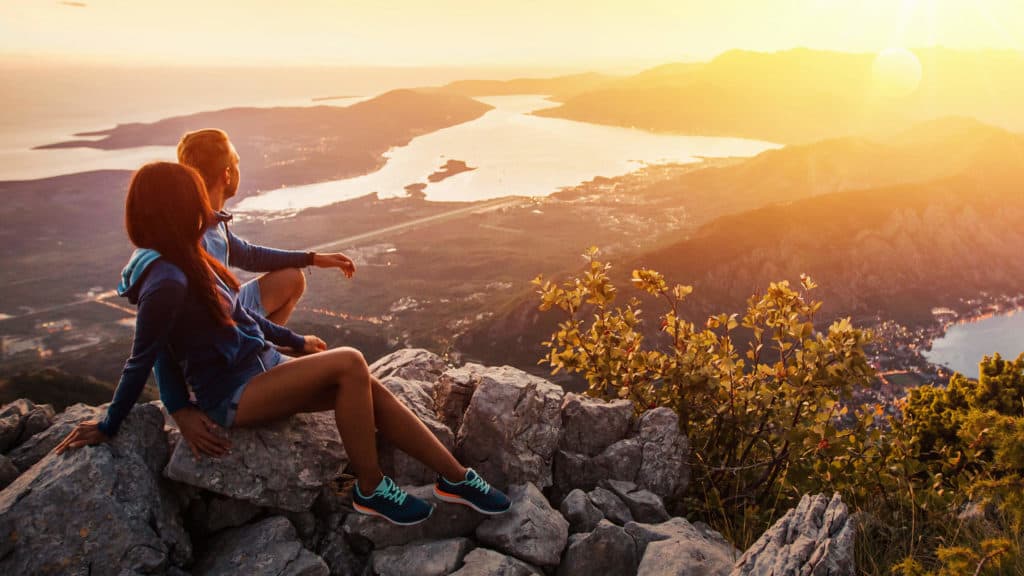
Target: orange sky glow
[(582, 33)]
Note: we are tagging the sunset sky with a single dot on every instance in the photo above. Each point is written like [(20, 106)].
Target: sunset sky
[(594, 33)]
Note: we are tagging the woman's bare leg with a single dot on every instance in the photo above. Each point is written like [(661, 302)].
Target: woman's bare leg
[(401, 427), (279, 396), (300, 384)]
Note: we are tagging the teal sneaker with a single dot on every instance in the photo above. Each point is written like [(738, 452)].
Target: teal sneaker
[(474, 492), (392, 504)]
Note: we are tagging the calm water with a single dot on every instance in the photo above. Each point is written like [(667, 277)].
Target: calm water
[(49, 104), (515, 153), (964, 345)]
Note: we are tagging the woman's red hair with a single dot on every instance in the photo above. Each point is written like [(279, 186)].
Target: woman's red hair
[(168, 210)]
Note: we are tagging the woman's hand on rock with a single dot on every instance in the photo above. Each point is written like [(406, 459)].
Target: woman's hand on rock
[(85, 434)]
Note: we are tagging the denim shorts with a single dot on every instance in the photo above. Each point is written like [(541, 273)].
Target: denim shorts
[(224, 413), (249, 296)]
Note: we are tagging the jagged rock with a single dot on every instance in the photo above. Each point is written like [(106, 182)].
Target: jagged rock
[(581, 513), (589, 425), (677, 547), (39, 445), (484, 562), (665, 469), (97, 509), (38, 420), (402, 468), (411, 364), (645, 506), (511, 428), (22, 419), (8, 471), (453, 391), (282, 465), (608, 549), (224, 513), (531, 530), (679, 530), (268, 547), (447, 521), (610, 505), (12, 416), (335, 551), (620, 461), (437, 558), (813, 539)]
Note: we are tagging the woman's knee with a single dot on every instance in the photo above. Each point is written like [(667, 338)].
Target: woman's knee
[(350, 365)]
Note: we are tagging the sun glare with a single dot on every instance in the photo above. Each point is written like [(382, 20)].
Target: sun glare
[(896, 73)]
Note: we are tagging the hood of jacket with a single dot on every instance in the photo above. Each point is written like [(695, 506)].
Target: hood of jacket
[(133, 272)]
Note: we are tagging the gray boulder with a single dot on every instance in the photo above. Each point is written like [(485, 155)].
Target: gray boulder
[(98, 509), (411, 364), (447, 521), (645, 506), (678, 548), (814, 539), (224, 513), (8, 471), (621, 461), (607, 550), (282, 465), (335, 551), (12, 417), (39, 445), (484, 562), (680, 532), (531, 530), (21, 420), (453, 391), (268, 547), (581, 513), (590, 425), (511, 428), (665, 468), (402, 468), (436, 558), (610, 505)]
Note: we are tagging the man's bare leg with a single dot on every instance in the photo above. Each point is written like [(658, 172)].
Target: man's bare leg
[(280, 292)]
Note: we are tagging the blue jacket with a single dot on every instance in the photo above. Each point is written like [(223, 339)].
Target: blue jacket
[(230, 250), (172, 320)]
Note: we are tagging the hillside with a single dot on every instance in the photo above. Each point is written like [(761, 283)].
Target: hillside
[(559, 88), (802, 95), (842, 211), (292, 146)]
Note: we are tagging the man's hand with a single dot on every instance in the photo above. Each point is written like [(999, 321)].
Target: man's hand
[(338, 260), (85, 434), (203, 435), (313, 345)]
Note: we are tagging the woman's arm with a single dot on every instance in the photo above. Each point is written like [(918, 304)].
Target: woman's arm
[(159, 307), (278, 334)]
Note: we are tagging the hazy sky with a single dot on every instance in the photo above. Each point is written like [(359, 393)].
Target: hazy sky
[(554, 33)]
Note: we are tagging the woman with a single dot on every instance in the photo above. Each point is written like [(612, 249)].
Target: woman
[(188, 305)]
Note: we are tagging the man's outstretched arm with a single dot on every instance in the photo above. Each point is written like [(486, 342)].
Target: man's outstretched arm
[(256, 258)]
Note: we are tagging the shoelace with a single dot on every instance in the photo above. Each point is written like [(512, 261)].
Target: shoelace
[(480, 484), (392, 491)]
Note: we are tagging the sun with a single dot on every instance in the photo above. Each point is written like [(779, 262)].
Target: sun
[(896, 73)]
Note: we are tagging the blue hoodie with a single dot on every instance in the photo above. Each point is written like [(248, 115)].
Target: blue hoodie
[(173, 322)]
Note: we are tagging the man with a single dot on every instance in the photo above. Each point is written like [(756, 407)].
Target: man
[(273, 295)]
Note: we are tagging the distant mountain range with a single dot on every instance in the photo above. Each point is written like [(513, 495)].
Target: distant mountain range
[(850, 213), (802, 95)]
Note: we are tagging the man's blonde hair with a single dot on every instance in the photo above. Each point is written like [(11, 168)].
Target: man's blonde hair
[(208, 151)]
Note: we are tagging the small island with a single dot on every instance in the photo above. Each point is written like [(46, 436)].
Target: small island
[(450, 168)]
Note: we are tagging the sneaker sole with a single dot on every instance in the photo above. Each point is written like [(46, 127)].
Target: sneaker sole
[(456, 499), (372, 512)]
